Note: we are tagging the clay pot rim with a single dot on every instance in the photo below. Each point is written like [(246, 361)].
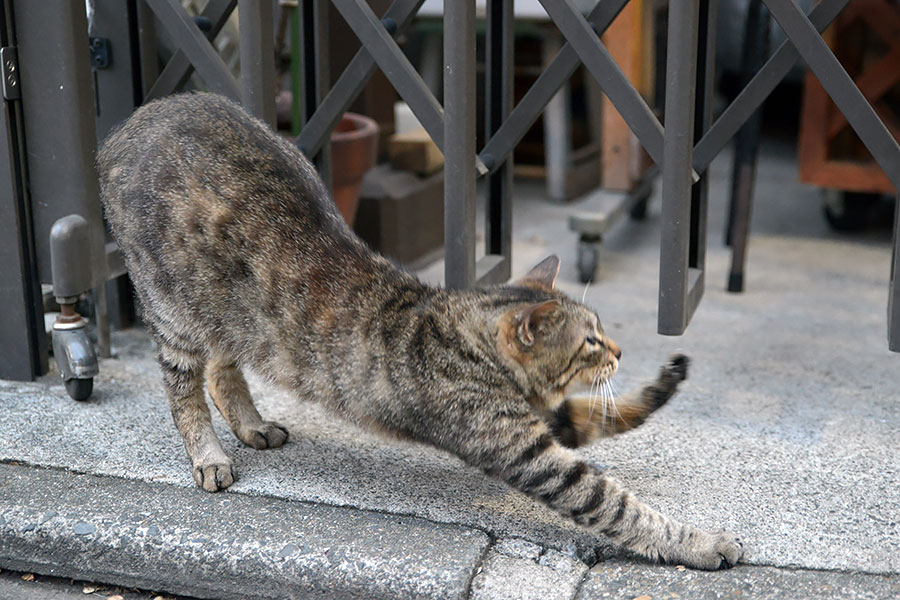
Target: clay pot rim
[(363, 127)]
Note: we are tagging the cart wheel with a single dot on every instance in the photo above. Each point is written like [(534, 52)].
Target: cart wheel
[(849, 211), (80, 389), (588, 249)]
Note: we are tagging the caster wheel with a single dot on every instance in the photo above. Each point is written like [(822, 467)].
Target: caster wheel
[(80, 389), (638, 212), (849, 211), (588, 250)]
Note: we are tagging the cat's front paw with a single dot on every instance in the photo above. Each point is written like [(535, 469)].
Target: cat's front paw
[(215, 476), (711, 551), (676, 368)]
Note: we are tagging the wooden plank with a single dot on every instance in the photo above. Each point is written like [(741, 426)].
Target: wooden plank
[(819, 163), (627, 39), (874, 82)]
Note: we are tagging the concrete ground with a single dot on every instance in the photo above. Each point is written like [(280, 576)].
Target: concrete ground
[(785, 432)]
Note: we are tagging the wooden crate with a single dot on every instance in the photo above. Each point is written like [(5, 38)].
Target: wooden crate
[(866, 39)]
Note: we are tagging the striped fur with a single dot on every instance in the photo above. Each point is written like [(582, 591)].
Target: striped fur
[(240, 261)]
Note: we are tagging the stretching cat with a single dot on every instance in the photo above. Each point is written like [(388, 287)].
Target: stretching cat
[(240, 259)]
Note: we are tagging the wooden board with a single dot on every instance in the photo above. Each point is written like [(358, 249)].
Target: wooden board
[(630, 42), (864, 37)]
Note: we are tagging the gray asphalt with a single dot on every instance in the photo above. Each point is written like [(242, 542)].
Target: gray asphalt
[(785, 432)]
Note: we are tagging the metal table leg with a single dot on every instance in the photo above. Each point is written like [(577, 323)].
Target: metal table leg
[(459, 143), (499, 45), (675, 279), (894, 288), (756, 48)]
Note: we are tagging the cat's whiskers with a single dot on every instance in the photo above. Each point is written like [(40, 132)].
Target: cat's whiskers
[(612, 398), (592, 398)]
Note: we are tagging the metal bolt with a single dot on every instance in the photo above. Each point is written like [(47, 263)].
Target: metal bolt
[(10, 66), (389, 24)]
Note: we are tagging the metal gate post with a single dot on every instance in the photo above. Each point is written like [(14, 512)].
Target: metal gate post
[(23, 344), (459, 143), (257, 59), (314, 58), (499, 46), (894, 288), (681, 76)]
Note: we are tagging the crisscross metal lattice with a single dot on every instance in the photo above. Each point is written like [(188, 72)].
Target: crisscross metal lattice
[(452, 126), (680, 284)]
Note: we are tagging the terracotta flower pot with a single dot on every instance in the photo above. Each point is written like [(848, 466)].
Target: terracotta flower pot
[(354, 148)]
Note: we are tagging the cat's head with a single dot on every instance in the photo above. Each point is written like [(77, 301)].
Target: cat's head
[(555, 339)]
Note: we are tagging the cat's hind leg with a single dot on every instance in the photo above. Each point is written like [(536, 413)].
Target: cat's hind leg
[(183, 380), (230, 394), (579, 421)]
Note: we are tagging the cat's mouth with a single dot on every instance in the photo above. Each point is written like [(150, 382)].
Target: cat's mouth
[(599, 374)]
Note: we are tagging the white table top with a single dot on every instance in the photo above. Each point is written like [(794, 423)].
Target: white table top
[(524, 9)]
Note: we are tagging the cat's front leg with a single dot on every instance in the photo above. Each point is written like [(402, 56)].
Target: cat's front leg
[(533, 462), (183, 380), (581, 420)]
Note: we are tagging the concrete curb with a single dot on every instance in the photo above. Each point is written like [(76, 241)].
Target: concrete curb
[(184, 541)]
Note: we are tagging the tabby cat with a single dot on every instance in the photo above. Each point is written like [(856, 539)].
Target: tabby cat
[(240, 260)]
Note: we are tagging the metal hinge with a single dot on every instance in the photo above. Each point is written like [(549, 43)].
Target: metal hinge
[(101, 53), (9, 70)]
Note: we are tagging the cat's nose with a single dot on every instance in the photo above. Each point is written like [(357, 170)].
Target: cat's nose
[(613, 348)]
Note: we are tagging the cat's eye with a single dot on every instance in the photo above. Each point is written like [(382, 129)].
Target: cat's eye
[(592, 341)]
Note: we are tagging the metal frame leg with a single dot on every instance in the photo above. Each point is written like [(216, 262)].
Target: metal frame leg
[(703, 103), (23, 344), (746, 147), (257, 50), (499, 45), (675, 280), (459, 144), (314, 58), (893, 318)]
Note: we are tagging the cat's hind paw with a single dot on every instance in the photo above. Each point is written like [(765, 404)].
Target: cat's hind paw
[(713, 551), (267, 434)]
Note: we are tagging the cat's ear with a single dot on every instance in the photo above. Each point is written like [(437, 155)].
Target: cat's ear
[(542, 276), (530, 320)]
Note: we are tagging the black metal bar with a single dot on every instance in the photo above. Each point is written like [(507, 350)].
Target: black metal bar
[(314, 58), (609, 76), (147, 59), (681, 77), (758, 89), (188, 38), (114, 84), (351, 83), (396, 67), (499, 47), (840, 86), (23, 344), (179, 68), (257, 49), (746, 147), (894, 287), (459, 147), (706, 73)]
